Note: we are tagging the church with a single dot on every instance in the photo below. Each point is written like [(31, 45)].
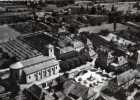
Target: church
[(38, 70)]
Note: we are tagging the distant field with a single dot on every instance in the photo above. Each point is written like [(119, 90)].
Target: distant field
[(123, 6), (97, 29)]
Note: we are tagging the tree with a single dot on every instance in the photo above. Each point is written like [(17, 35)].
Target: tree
[(64, 66), (71, 63), (104, 32), (83, 36)]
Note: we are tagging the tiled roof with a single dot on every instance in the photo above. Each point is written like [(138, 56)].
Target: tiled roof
[(126, 76), (67, 49), (35, 91), (68, 55), (36, 60), (75, 89), (40, 66), (79, 90), (38, 41), (98, 41), (19, 49)]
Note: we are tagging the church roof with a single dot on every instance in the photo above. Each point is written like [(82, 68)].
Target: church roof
[(35, 64), (40, 66), (36, 60)]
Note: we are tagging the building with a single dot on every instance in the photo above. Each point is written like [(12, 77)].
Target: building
[(122, 81), (75, 45), (36, 70), (120, 63), (18, 49), (75, 90), (105, 56), (34, 93), (37, 93), (135, 58), (118, 41)]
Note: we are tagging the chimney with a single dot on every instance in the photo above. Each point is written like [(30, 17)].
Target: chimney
[(50, 50)]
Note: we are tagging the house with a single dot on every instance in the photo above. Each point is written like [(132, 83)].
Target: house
[(135, 58), (105, 56), (75, 90), (74, 45), (37, 93), (34, 93), (78, 45), (127, 78), (117, 39), (122, 81), (35, 70), (120, 63)]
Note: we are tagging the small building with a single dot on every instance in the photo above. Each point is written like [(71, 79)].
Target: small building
[(75, 90), (75, 45), (79, 45), (37, 93), (34, 93)]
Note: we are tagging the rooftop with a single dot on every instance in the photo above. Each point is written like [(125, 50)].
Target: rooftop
[(35, 91), (39, 41), (126, 76), (74, 89), (36, 60), (7, 33), (38, 63), (114, 37), (18, 49)]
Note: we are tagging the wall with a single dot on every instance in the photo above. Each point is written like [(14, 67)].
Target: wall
[(44, 73)]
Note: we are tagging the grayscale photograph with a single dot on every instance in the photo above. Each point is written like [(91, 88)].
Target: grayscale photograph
[(69, 49)]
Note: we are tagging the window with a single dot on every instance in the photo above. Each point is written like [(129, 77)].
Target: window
[(44, 73), (29, 77), (40, 73), (53, 70), (36, 76), (44, 85), (49, 71)]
